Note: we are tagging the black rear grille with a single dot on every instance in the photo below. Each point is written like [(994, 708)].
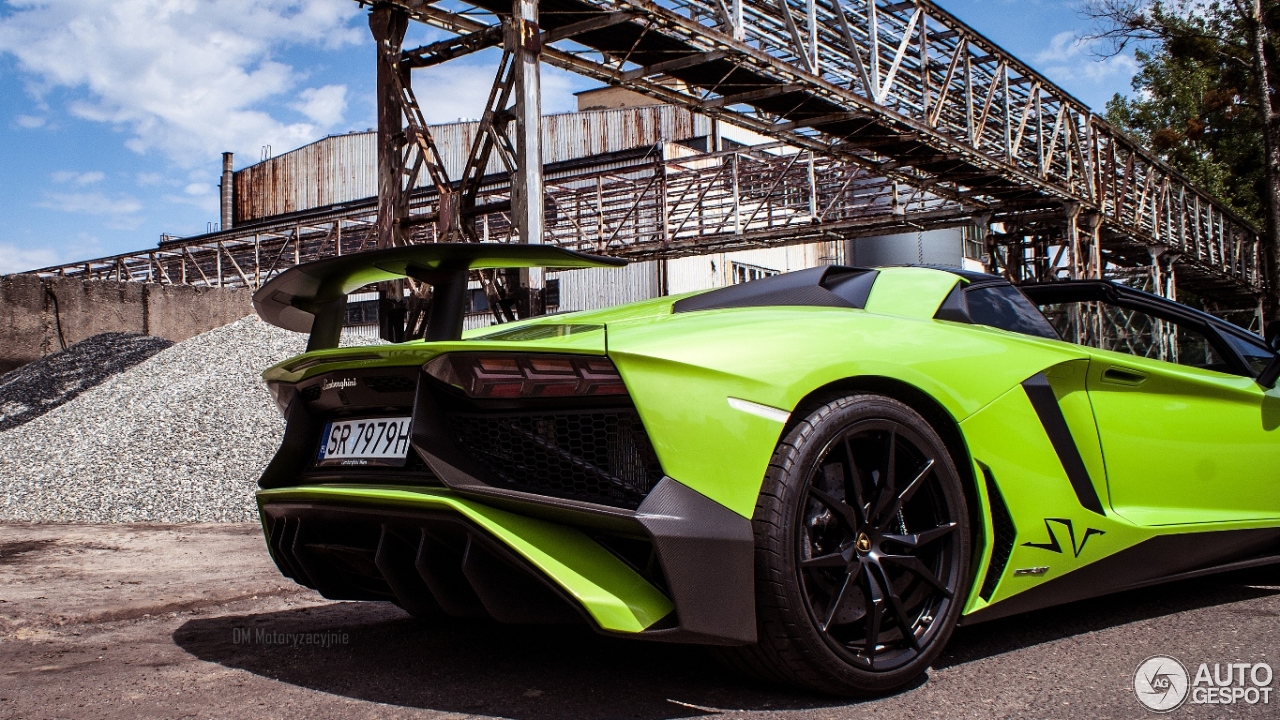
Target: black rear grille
[(1005, 534), (599, 456), (390, 383), (311, 394)]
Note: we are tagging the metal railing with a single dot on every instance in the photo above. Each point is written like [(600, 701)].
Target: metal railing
[(665, 203), (887, 116), (909, 92)]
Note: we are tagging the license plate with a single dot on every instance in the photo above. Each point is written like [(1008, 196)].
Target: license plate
[(369, 442)]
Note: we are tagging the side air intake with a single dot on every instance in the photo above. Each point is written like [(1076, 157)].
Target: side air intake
[(1005, 534)]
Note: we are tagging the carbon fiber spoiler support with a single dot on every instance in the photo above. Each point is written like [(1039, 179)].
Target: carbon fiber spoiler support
[(312, 298)]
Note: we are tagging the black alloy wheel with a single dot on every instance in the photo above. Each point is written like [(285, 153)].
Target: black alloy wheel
[(862, 562), (875, 563)]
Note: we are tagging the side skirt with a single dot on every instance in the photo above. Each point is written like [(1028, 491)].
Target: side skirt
[(1159, 560)]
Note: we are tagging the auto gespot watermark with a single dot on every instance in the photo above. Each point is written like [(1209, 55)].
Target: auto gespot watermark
[(1163, 684), (263, 636)]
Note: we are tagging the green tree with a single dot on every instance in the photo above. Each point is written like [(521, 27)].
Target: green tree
[(1206, 99)]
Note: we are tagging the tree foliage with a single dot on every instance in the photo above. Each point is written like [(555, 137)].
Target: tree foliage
[(1196, 101)]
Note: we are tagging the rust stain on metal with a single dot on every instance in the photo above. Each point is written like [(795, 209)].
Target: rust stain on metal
[(343, 168)]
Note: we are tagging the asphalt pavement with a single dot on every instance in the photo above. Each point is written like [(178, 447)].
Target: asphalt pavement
[(149, 621)]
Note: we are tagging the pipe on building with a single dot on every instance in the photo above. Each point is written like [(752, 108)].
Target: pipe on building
[(227, 187)]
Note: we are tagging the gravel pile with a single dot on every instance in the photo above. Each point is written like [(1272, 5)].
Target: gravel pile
[(36, 388), (179, 437)]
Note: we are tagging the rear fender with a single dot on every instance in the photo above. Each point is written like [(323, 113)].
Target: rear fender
[(715, 391)]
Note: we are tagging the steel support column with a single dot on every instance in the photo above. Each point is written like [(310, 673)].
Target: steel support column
[(525, 45), (1072, 238), (388, 25), (1091, 228)]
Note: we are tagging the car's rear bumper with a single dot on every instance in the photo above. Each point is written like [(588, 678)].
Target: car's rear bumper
[(525, 511), (430, 548)]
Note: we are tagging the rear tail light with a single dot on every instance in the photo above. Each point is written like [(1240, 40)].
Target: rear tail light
[(280, 393), (485, 375)]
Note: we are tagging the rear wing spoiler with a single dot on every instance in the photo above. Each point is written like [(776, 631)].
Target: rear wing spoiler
[(312, 297)]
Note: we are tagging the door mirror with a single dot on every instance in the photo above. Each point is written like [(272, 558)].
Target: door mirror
[(1272, 335)]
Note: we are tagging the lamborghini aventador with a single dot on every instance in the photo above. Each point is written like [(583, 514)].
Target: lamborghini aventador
[(818, 474)]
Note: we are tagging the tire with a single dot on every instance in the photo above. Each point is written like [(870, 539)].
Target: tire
[(420, 611), (819, 559)]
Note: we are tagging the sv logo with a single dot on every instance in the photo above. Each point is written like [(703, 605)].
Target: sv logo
[(1054, 546)]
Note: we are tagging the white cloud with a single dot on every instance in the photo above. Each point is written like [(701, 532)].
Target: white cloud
[(198, 194), (30, 122), (78, 178), (1070, 59), (93, 203), (457, 90), (20, 259), (119, 212), (186, 78), (324, 106)]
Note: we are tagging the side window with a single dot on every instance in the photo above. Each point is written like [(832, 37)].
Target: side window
[(1004, 307), (1110, 327), (1254, 352)]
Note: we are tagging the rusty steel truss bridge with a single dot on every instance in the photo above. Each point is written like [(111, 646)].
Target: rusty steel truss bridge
[(881, 117)]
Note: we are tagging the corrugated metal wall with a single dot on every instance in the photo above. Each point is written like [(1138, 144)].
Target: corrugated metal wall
[(927, 247), (336, 169), (344, 168), (701, 272), (593, 288)]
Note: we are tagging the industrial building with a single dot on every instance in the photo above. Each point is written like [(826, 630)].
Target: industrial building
[(725, 147), (614, 130)]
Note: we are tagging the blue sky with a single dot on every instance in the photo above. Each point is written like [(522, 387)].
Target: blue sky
[(113, 113)]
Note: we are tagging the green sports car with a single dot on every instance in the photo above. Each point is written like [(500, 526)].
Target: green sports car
[(818, 474)]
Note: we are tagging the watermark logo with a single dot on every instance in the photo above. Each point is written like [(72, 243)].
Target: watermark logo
[(1232, 683), (261, 636), (1161, 683)]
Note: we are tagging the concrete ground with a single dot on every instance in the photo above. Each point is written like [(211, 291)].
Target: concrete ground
[(135, 621)]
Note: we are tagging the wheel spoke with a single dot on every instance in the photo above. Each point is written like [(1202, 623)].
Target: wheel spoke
[(838, 601), (834, 560), (840, 508), (854, 481), (913, 564), (875, 612), (908, 492), (900, 615), (920, 539), (885, 488), (891, 470)]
